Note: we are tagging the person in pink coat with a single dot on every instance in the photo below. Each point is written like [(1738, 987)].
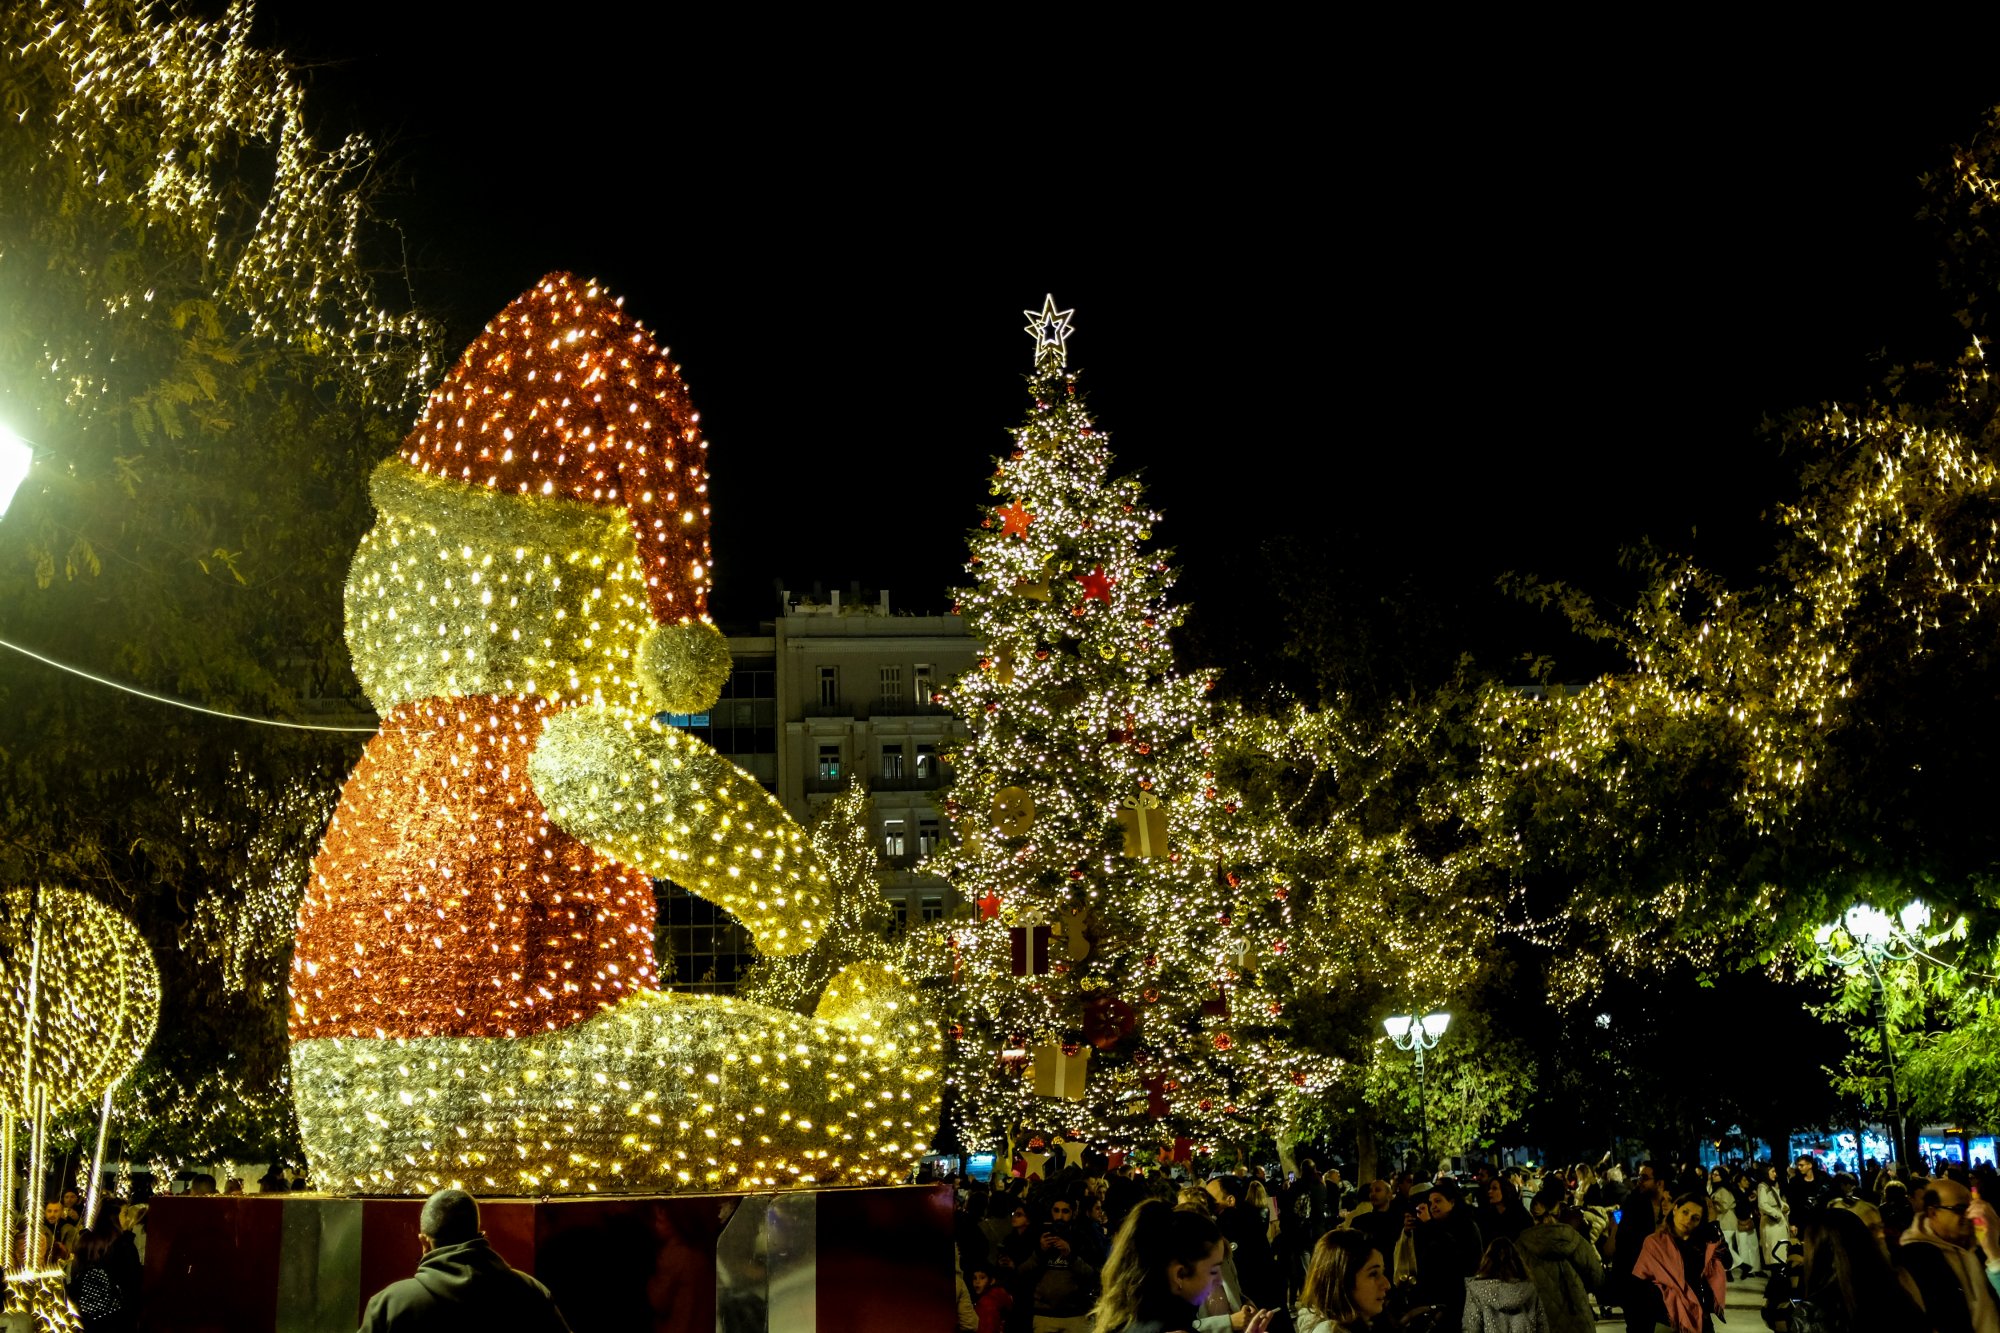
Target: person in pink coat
[(1685, 1263)]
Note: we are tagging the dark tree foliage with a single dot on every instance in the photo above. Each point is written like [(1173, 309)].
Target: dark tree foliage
[(190, 335)]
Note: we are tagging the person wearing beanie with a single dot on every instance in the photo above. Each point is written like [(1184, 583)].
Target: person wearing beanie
[(473, 997)]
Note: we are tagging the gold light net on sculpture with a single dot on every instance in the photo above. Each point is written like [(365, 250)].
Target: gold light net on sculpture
[(663, 1092), (473, 995), (43, 1295), (84, 1021)]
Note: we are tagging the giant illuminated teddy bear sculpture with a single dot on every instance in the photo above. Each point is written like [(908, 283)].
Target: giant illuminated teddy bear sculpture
[(473, 994)]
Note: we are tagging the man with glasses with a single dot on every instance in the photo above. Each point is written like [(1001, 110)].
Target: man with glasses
[(1952, 1251)]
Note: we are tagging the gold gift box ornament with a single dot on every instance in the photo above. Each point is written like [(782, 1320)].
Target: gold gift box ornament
[(1145, 825)]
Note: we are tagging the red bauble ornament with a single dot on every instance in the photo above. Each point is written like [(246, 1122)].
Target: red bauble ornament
[(1205, 1104), (1230, 876), (1229, 807), (1281, 893), (1223, 1041), (1298, 1078)]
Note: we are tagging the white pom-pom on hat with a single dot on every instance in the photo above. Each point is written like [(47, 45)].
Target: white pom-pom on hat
[(682, 667)]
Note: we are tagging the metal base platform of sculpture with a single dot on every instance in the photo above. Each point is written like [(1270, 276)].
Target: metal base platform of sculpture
[(802, 1261)]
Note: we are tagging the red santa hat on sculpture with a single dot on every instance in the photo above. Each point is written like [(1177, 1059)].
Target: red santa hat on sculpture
[(564, 395)]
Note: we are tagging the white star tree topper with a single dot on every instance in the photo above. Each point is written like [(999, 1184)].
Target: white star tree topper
[(1050, 328)]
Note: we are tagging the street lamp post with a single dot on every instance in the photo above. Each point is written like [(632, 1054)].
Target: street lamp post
[(1419, 1035), (1879, 938)]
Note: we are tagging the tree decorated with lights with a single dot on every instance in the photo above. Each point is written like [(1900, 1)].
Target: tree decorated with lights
[(859, 919), (1777, 754), (193, 338), (1110, 983)]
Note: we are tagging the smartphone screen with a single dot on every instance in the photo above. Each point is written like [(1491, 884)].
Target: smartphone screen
[(1617, 1215)]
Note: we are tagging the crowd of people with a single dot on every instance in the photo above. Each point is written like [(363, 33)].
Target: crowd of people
[(104, 1258), (1093, 1249)]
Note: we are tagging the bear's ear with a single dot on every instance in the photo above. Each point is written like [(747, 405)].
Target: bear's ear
[(682, 667)]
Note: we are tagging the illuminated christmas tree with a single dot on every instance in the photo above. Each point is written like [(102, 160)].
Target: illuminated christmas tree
[(1108, 983)]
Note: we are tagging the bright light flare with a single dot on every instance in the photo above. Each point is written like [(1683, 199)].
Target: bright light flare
[(15, 456)]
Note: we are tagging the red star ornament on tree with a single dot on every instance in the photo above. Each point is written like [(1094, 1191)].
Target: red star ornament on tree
[(1096, 586), (1015, 519)]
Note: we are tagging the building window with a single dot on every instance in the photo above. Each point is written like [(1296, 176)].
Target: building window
[(699, 947), (927, 836), (930, 907), (829, 686), (892, 837), (920, 681), (927, 762), (829, 763), (892, 684), (892, 762)]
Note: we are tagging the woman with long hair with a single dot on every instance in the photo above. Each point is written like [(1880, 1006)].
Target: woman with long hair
[(1500, 1298), (1346, 1285), (1849, 1285), (1774, 1227), (103, 1282), (1162, 1265), (1681, 1270)]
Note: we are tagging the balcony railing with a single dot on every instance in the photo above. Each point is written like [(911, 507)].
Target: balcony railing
[(931, 781), (863, 709)]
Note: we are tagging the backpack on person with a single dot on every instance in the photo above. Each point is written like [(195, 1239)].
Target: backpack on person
[(96, 1294)]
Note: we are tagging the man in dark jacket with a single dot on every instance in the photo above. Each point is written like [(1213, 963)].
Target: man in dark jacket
[(1948, 1251), (1564, 1266), (460, 1283), (1060, 1277), (1807, 1191), (1448, 1252)]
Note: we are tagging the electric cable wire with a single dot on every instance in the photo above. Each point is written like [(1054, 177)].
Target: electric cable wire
[(179, 703)]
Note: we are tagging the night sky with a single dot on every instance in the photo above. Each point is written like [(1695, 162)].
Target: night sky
[(1459, 330)]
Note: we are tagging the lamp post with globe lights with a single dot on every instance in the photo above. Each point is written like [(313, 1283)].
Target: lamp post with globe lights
[(1419, 1035), (1873, 937)]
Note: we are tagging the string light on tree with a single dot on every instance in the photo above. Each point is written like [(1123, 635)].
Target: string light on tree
[(1090, 827)]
